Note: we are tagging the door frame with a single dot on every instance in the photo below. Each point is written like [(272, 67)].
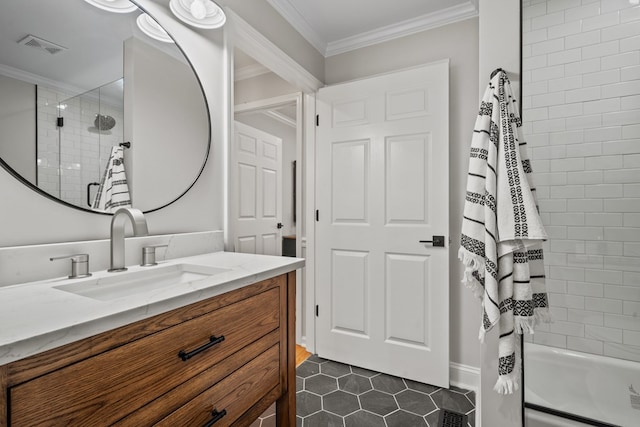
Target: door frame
[(267, 104), (239, 33)]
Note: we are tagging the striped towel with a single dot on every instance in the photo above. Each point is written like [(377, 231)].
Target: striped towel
[(502, 232), (113, 192)]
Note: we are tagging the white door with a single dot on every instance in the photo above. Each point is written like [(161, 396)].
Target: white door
[(382, 186), (257, 191)]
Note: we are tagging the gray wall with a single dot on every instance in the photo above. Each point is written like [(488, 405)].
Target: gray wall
[(261, 87), (18, 126), (166, 122), (459, 42), (26, 217), (264, 18)]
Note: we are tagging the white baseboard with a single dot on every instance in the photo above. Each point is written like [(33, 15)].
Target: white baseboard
[(464, 376)]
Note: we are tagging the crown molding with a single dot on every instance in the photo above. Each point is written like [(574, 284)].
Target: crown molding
[(379, 35), (281, 118), (291, 15), (250, 71), (36, 79), (402, 29)]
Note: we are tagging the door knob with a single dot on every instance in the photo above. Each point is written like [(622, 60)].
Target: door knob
[(279, 225), (436, 241)]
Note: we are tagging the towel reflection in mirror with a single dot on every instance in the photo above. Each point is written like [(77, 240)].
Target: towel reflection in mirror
[(113, 192)]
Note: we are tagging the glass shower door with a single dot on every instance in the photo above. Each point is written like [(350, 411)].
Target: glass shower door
[(92, 124), (581, 108)]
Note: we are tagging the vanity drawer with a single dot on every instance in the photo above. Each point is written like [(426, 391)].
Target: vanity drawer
[(101, 389), (232, 396)]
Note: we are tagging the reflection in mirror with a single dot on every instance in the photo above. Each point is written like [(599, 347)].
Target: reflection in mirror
[(72, 89)]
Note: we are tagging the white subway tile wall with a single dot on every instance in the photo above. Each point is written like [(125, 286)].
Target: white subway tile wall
[(581, 108), (71, 157)]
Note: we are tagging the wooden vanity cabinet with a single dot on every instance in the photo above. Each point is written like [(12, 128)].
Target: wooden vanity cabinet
[(227, 358)]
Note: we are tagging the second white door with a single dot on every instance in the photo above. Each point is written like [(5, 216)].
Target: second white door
[(257, 191), (382, 188)]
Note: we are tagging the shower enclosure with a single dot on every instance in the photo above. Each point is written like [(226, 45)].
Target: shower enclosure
[(581, 111), (75, 136)]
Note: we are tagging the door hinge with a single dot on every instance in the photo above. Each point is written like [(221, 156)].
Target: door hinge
[(317, 215), (317, 119), (59, 121), (317, 310)]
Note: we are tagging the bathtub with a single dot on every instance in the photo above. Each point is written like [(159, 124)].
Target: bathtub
[(590, 386)]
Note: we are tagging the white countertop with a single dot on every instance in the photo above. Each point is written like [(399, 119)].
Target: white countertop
[(36, 316)]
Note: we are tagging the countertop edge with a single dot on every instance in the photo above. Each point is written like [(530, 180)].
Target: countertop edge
[(81, 329)]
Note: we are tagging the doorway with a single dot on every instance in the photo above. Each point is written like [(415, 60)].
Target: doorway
[(262, 103)]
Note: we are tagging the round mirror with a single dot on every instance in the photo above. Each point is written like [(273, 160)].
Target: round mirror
[(98, 109)]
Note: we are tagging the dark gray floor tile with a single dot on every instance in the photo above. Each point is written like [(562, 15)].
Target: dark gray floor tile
[(321, 384), (307, 368), (363, 372), (340, 403), (388, 383), (270, 421), (413, 401), (323, 419), (354, 383), (271, 410), (433, 418), (307, 403), (363, 419), (378, 402), (472, 397), (298, 422), (456, 402), (316, 358), (335, 369), (471, 418), (299, 383), (425, 388), (404, 419)]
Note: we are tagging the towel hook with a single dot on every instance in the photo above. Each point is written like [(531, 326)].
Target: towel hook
[(496, 71)]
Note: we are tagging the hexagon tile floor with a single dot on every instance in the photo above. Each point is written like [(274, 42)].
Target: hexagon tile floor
[(332, 394)]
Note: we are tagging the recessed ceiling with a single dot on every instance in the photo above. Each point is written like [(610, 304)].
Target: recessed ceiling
[(336, 26)]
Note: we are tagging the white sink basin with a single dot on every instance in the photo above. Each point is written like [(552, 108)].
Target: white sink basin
[(123, 284)]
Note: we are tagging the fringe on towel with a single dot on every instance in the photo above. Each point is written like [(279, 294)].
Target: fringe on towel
[(509, 383), (472, 264)]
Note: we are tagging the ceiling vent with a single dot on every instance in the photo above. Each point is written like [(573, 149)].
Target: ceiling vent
[(41, 44)]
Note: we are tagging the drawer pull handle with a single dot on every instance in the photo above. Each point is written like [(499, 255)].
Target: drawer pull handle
[(217, 416), (213, 340)]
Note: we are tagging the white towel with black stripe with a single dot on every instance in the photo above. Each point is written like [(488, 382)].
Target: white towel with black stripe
[(113, 192), (502, 233)]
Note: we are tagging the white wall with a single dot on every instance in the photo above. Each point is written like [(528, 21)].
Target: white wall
[(26, 217), (18, 126), (499, 47), (581, 81), (459, 42)]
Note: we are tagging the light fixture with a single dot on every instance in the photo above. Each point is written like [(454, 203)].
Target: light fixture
[(198, 13), (151, 28), (117, 6)]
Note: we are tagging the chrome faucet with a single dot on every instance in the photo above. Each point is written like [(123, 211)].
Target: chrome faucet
[(117, 234)]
